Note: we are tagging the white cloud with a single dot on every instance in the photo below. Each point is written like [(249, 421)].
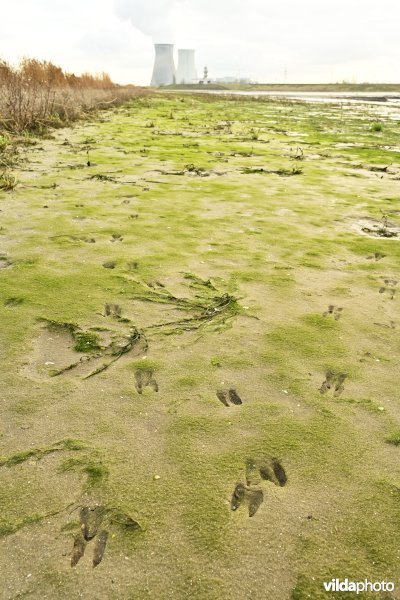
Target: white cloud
[(312, 40)]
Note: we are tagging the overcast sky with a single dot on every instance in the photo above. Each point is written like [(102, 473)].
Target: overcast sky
[(266, 40)]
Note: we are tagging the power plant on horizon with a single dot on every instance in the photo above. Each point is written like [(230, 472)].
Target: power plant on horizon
[(165, 73)]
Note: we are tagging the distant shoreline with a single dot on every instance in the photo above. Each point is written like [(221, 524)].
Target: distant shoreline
[(295, 87), (379, 96)]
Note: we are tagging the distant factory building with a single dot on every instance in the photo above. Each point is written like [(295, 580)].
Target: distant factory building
[(186, 67), (164, 72)]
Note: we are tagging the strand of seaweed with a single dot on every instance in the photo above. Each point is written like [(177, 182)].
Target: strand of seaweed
[(134, 337), (40, 453), (280, 172), (224, 309), (108, 178), (7, 528), (209, 304)]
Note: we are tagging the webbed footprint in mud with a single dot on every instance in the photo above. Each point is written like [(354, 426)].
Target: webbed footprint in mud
[(229, 397), (333, 380), (257, 470), (145, 378), (252, 497), (335, 311), (95, 521)]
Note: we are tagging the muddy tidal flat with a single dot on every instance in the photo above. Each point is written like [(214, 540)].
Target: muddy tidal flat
[(199, 343)]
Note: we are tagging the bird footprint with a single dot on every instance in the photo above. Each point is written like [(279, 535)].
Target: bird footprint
[(257, 470)]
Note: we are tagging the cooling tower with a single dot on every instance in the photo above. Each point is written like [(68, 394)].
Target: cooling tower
[(186, 67), (164, 72)]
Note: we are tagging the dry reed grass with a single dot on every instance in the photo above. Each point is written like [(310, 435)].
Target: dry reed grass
[(37, 94)]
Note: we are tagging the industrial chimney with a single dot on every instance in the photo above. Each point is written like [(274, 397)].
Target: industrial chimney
[(186, 67), (164, 72)]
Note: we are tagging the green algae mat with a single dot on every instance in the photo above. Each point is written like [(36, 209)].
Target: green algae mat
[(199, 348)]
